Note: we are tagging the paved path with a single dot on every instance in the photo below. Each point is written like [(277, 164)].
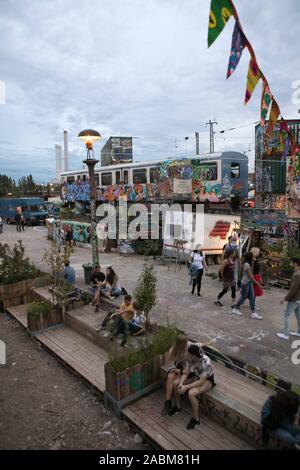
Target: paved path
[(253, 341)]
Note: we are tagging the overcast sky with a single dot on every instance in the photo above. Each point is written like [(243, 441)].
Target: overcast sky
[(134, 68)]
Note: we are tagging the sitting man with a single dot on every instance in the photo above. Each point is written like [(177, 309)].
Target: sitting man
[(97, 281), (69, 273), (197, 378), (136, 326), (125, 312)]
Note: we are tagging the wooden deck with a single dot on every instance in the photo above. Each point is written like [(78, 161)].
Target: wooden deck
[(170, 433), (230, 413)]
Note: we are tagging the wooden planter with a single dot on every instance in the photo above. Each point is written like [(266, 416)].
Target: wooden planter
[(20, 292), (44, 321), (122, 388)]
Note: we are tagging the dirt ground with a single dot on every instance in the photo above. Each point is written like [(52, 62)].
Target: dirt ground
[(44, 406)]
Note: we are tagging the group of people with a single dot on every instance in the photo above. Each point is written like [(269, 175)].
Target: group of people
[(190, 372), (105, 284)]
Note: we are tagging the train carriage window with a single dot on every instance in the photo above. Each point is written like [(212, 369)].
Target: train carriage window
[(125, 176), (83, 177), (70, 179), (106, 179), (235, 170), (209, 171), (78, 177), (154, 175), (118, 177), (97, 179), (139, 176)]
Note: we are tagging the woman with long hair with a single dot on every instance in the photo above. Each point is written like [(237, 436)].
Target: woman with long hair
[(280, 417), (247, 290), (111, 289)]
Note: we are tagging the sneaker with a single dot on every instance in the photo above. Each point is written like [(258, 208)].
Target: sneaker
[(199, 295), (194, 423), (233, 306), (167, 408), (295, 334), (283, 336), (236, 311), (218, 304), (174, 410), (256, 316)]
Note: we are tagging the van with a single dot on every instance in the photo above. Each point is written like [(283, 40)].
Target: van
[(33, 210)]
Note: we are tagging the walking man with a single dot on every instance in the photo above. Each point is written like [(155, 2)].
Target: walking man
[(293, 303), (18, 221)]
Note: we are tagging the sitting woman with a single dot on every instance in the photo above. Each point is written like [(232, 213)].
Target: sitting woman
[(280, 416), (177, 360), (111, 289)]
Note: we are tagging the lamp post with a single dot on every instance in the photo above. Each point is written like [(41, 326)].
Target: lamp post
[(89, 137)]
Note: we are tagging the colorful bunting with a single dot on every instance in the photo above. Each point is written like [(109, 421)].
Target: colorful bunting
[(254, 75), (265, 103), (274, 115), (220, 12), (237, 46)]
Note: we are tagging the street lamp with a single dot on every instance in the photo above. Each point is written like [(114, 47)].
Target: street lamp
[(89, 137)]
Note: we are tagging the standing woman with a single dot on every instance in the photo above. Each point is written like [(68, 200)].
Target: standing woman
[(69, 237), (247, 291), (227, 275), (197, 266), (256, 271)]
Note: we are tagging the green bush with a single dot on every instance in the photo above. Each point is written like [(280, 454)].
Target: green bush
[(145, 292), (14, 267), (161, 341), (39, 308)]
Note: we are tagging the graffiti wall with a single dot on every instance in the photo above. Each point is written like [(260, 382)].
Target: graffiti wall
[(270, 222), (81, 231), (293, 188)]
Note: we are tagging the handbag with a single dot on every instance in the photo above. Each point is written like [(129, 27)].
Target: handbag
[(257, 290)]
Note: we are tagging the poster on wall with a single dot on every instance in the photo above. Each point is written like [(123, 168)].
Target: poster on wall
[(182, 186), (293, 189)]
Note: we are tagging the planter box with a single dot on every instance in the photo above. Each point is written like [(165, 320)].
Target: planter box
[(44, 321), (123, 388), (20, 292)]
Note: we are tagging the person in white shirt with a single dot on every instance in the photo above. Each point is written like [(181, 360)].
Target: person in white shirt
[(197, 266)]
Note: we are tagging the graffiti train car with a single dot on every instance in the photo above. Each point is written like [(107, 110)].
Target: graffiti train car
[(209, 177)]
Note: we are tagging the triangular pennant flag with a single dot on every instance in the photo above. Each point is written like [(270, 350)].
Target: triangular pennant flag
[(274, 115), (265, 103), (254, 75), (237, 46), (220, 12)]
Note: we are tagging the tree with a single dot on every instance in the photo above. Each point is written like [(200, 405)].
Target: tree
[(145, 292)]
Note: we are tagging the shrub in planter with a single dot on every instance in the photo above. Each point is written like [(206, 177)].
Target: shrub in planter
[(41, 315), (131, 372), (145, 292), (14, 266)]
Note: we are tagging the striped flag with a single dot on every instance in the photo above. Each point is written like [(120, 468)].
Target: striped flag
[(274, 115), (254, 75)]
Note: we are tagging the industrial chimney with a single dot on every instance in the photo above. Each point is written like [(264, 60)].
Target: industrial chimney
[(58, 161), (66, 152)]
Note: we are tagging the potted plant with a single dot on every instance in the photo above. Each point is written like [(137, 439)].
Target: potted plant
[(41, 315), (18, 275)]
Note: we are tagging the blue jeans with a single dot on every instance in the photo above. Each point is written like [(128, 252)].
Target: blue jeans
[(247, 291), (286, 436), (287, 316)]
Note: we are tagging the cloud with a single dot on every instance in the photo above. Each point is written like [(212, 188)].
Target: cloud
[(133, 68)]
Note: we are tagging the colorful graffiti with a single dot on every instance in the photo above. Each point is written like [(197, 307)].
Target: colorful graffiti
[(81, 231), (293, 188), (271, 222)]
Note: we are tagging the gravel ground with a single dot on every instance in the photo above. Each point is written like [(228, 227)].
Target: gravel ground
[(44, 406)]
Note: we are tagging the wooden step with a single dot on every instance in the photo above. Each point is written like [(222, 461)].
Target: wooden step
[(42, 293), (170, 433), (83, 356), (19, 312)]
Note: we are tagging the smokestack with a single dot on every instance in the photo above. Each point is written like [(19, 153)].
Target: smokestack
[(197, 143), (66, 152), (58, 161)]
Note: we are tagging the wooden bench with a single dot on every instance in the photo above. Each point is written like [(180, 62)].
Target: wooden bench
[(235, 403)]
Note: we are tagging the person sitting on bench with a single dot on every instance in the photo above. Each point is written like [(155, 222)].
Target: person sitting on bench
[(136, 326), (126, 311), (200, 379), (111, 288), (97, 281), (280, 416)]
